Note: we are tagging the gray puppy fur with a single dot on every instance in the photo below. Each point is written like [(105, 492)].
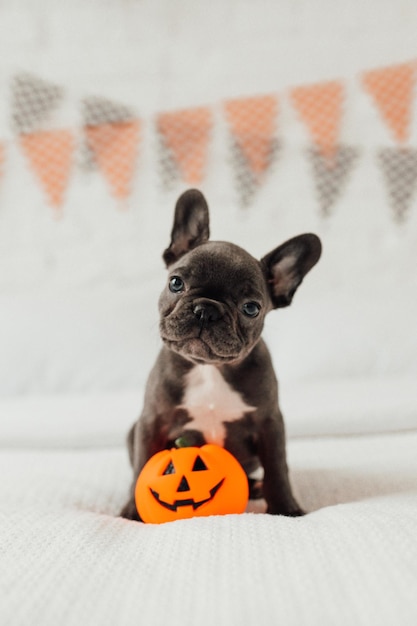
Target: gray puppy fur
[(213, 379)]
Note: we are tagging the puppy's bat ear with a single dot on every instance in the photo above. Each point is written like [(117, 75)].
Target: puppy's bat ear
[(191, 225), (286, 266)]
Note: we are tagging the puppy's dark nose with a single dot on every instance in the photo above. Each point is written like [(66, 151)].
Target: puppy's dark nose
[(207, 312)]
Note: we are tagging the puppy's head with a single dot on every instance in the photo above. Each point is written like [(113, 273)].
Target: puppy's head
[(217, 295)]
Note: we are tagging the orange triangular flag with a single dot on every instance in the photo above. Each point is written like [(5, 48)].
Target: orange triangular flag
[(115, 148), (252, 122), (50, 155), (320, 107), (187, 134), (392, 89), (2, 151)]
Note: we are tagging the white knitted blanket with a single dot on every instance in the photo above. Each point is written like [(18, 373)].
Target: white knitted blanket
[(65, 558)]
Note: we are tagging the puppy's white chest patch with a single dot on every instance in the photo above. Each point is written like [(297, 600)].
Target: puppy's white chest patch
[(210, 401)]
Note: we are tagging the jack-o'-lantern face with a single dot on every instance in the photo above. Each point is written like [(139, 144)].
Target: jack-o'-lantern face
[(187, 482)]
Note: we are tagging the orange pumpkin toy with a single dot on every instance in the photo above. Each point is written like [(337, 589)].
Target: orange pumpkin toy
[(188, 482)]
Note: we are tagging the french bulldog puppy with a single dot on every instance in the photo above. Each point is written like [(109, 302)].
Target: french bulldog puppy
[(213, 380)]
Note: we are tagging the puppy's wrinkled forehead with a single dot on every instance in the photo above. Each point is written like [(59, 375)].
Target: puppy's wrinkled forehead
[(217, 264)]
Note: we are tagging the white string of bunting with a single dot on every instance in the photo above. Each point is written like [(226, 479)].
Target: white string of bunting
[(112, 133)]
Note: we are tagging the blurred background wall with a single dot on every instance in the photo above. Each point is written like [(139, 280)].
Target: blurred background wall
[(291, 116)]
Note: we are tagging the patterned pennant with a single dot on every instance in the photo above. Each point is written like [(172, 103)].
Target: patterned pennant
[(50, 154), (331, 175), (33, 102), (252, 124), (184, 137), (115, 148), (98, 111), (321, 107), (399, 166), (169, 171), (392, 89)]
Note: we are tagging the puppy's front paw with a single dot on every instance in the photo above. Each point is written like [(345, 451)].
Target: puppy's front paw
[(293, 510), (130, 511), (298, 512)]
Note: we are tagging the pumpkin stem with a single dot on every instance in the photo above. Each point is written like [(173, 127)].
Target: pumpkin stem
[(182, 442)]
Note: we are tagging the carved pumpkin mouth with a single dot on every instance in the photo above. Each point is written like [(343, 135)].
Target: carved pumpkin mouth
[(187, 501)]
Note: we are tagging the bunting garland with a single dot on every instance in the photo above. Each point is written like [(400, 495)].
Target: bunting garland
[(48, 152), (33, 102), (2, 157), (184, 137), (392, 90), (399, 167), (320, 107), (331, 175), (98, 111), (112, 133), (50, 155), (252, 125)]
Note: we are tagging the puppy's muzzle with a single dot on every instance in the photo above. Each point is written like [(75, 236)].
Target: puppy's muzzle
[(207, 311)]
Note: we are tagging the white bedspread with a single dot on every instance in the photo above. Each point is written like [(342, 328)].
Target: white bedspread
[(78, 303), (65, 558)]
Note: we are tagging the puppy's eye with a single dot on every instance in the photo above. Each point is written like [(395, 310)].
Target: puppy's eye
[(251, 309), (176, 284)]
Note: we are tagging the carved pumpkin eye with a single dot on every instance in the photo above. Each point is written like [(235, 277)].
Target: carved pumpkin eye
[(170, 469), (186, 482), (199, 465)]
